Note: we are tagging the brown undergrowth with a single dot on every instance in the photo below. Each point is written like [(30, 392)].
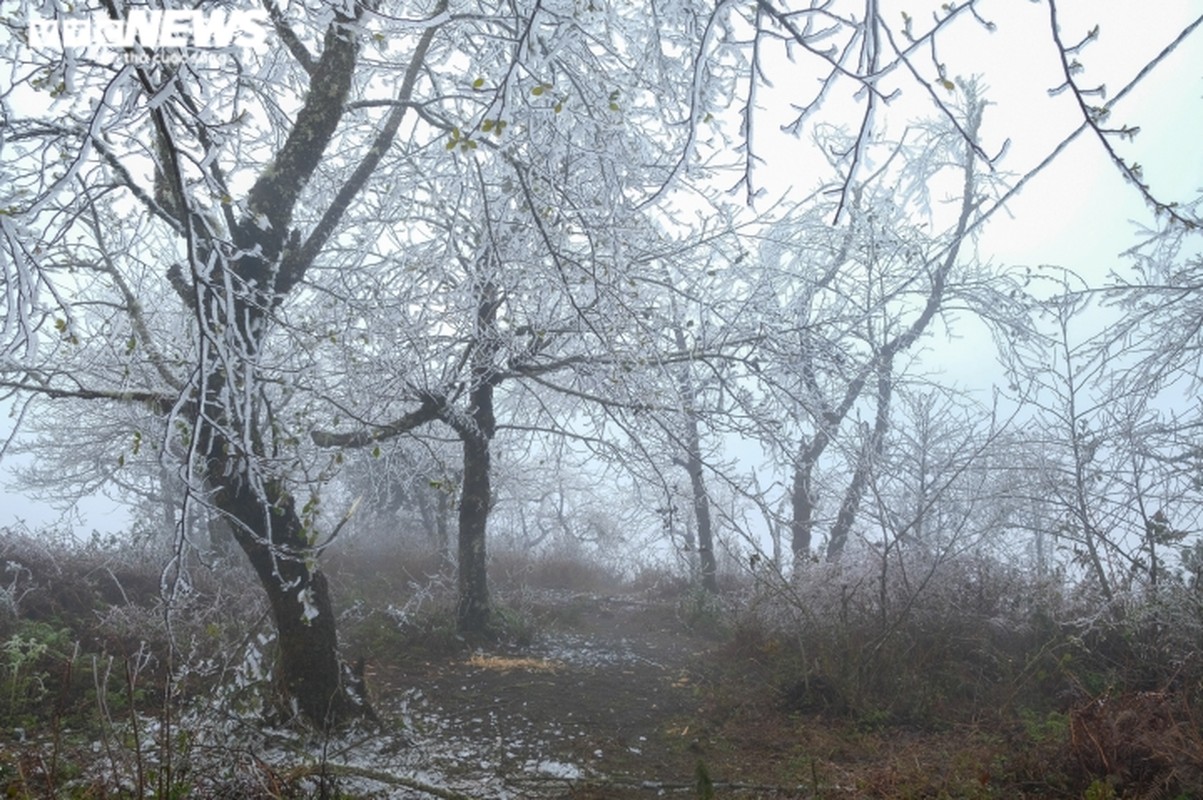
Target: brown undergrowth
[(986, 683), (976, 683)]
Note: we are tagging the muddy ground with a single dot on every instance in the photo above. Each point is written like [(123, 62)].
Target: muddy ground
[(603, 701), (617, 697)]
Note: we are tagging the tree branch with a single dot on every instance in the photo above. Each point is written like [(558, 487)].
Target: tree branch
[(1092, 115), (296, 262), (432, 408)]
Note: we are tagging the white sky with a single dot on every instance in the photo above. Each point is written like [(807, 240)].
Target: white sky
[(1076, 214), (1079, 213)]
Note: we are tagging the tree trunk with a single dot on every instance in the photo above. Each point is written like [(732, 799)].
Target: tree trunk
[(870, 453), (695, 467), (701, 509), (474, 612), (802, 508), (272, 535), (233, 308)]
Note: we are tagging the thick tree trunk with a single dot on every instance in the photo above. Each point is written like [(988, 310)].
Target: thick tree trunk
[(474, 612), (308, 668), (233, 311), (802, 508)]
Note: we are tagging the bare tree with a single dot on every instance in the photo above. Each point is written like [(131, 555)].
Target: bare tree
[(853, 301)]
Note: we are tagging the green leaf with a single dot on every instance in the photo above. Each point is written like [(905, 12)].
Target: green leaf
[(478, 83), (538, 90)]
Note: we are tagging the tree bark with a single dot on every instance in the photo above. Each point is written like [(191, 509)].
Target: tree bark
[(233, 316), (870, 453), (696, 469), (476, 429), (273, 537), (701, 505), (802, 507), (474, 611)]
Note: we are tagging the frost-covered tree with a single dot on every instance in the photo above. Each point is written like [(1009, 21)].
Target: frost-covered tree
[(235, 239), (372, 218), (851, 302), (1111, 461)]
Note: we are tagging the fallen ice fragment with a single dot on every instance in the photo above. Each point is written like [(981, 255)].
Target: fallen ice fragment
[(559, 769)]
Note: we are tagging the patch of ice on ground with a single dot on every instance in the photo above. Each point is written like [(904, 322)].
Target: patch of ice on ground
[(559, 769), (582, 651)]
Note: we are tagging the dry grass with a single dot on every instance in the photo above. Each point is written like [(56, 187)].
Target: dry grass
[(510, 664), (981, 684)]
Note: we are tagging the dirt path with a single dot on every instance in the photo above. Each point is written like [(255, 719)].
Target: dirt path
[(600, 705), (617, 699)]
